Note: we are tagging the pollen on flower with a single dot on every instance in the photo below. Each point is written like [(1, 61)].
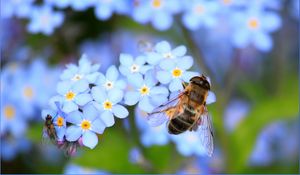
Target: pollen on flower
[(77, 77), (107, 105), (109, 85), (199, 9), (177, 73), (85, 124), (9, 111), (156, 3), (70, 95), (28, 92), (168, 55), (134, 68), (253, 23), (144, 90), (60, 121)]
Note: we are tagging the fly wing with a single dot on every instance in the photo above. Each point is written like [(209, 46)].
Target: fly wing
[(206, 133), (164, 112)]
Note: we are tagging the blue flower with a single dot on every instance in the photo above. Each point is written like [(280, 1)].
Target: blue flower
[(73, 95), (85, 70), (145, 92), (158, 12), (111, 80), (86, 124), (189, 143), (294, 9), (76, 169), (200, 13), (43, 19), (10, 147), (163, 52), (58, 3), (107, 104), (130, 66), (12, 8), (104, 9), (150, 135), (254, 27), (81, 5), (235, 112), (174, 73)]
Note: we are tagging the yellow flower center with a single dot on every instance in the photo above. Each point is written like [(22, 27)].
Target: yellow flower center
[(109, 85), (77, 77), (85, 124), (60, 121), (156, 3), (253, 23), (107, 105), (144, 90), (199, 9), (28, 92), (134, 68), (70, 95), (177, 72), (9, 112)]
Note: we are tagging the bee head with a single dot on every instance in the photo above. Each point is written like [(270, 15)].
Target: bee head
[(201, 81), (49, 117)]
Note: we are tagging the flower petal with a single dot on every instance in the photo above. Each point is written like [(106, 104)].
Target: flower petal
[(164, 77), (163, 47), (211, 98), (136, 80), (120, 111), (185, 62), (159, 90), (63, 87), (73, 133), (131, 98), (69, 106), (145, 105), (89, 139), (175, 85), (179, 51), (74, 117), (98, 126), (167, 64), (108, 118), (80, 86), (140, 60), (126, 60), (90, 112), (83, 99), (115, 95), (112, 73), (98, 94), (100, 80), (187, 75)]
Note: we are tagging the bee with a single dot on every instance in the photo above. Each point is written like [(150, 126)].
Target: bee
[(49, 129), (188, 111)]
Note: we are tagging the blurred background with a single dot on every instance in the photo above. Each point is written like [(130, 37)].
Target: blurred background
[(249, 49)]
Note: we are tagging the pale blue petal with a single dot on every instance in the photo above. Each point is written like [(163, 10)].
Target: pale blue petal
[(158, 100), (69, 106), (80, 86), (167, 64), (211, 98), (89, 112), (83, 99), (241, 38), (163, 47), (136, 80), (108, 118), (115, 95), (175, 85), (140, 60), (63, 87), (100, 80), (124, 70), (60, 132), (92, 77), (54, 99), (131, 98), (73, 133), (162, 20), (126, 60), (89, 139), (112, 73), (74, 117), (187, 75), (159, 90), (120, 111), (150, 79), (103, 12), (98, 126), (145, 105), (46, 112), (271, 21), (263, 41), (164, 77), (98, 94), (145, 69), (185, 63), (153, 58), (98, 106), (191, 21), (121, 84), (179, 51)]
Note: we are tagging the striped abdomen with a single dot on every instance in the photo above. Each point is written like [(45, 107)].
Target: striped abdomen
[(182, 122)]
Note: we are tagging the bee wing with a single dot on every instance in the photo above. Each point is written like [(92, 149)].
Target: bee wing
[(164, 112), (206, 133)]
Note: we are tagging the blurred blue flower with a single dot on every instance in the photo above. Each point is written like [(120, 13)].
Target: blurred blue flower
[(198, 165), (107, 104), (263, 4), (164, 53), (72, 96), (200, 13), (76, 169), (85, 70), (43, 19), (130, 66), (150, 135), (111, 80), (174, 73), (235, 112), (158, 12), (145, 93), (86, 124), (10, 147), (19, 8), (254, 27), (105, 8), (189, 143), (58, 3), (81, 5), (294, 9)]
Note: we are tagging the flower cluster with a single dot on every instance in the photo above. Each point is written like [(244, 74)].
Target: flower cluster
[(88, 100), (250, 22)]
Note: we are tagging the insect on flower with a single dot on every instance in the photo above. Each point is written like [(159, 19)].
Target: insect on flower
[(188, 112), (49, 129)]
